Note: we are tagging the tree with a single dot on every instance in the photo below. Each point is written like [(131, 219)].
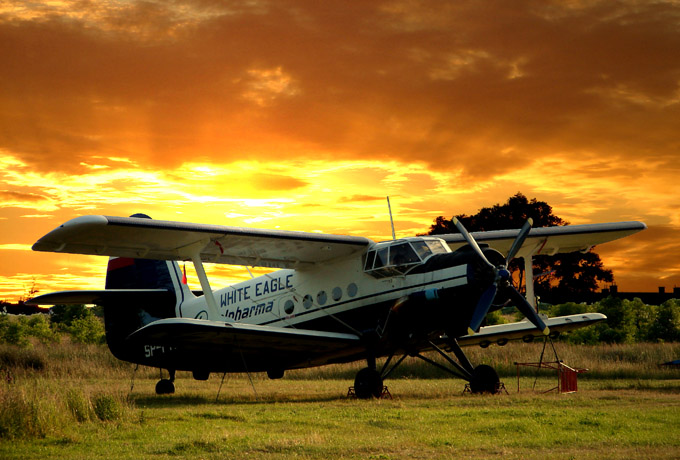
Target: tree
[(66, 314), (620, 324), (562, 277), (667, 325)]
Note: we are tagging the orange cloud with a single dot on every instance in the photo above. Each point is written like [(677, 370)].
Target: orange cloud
[(284, 113)]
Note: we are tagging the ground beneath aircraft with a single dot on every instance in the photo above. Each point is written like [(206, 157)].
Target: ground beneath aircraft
[(426, 419), (73, 401)]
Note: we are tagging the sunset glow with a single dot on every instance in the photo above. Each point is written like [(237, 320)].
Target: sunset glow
[(305, 115)]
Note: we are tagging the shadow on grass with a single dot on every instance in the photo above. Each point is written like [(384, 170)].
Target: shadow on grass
[(165, 401)]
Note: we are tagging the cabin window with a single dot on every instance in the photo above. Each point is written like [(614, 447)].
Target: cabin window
[(336, 294), (307, 302), (321, 298), (288, 307)]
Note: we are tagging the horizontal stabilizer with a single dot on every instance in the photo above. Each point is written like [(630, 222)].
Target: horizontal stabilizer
[(101, 297)]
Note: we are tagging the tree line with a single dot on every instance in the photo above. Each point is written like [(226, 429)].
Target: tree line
[(628, 321), (80, 323)]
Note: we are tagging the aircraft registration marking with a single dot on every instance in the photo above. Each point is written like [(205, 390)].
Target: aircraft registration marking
[(150, 350)]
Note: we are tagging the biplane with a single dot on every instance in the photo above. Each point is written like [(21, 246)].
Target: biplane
[(334, 299)]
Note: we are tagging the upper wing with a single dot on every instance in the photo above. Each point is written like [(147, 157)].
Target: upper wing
[(502, 333), (166, 240), (551, 240)]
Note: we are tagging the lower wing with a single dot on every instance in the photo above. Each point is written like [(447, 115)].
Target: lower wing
[(526, 331)]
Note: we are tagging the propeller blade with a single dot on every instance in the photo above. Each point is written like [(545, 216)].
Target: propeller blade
[(519, 241), (471, 241), (482, 308), (527, 310)]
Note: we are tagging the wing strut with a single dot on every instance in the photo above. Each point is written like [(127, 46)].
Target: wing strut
[(194, 251), (205, 285)]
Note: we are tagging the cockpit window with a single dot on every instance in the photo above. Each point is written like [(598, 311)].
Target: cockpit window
[(398, 257), (422, 249), (403, 254), (381, 258), (370, 258), (436, 246)]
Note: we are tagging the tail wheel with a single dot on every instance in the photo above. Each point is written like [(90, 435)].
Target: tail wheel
[(484, 380), (368, 384)]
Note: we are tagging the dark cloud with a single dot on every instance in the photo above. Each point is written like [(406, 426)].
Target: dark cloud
[(6, 195), (274, 182), (482, 86)]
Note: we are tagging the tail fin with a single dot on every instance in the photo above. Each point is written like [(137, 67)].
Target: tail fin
[(126, 273)]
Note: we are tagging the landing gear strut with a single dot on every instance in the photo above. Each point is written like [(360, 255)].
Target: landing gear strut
[(482, 379), (166, 386)]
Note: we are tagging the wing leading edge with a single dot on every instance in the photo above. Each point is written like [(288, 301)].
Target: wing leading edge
[(551, 240), (137, 237), (524, 330)]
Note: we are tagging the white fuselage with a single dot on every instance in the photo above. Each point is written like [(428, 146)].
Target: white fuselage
[(289, 298)]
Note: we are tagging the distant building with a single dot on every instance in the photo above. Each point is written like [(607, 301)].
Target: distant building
[(650, 298), (21, 309)]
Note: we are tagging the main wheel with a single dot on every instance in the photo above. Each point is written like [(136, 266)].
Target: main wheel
[(484, 380), (368, 384), (165, 387)]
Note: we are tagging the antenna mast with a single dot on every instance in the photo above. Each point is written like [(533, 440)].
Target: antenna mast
[(389, 208)]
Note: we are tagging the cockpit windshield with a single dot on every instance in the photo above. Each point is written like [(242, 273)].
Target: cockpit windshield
[(395, 258)]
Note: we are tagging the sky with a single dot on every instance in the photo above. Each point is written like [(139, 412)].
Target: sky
[(305, 115)]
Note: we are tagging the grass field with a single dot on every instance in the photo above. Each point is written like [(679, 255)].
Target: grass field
[(82, 404)]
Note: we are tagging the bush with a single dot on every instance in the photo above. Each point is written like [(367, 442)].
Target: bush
[(667, 325), (89, 329), (15, 333), (66, 314), (107, 408), (17, 330)]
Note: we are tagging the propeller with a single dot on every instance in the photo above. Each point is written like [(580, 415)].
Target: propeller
[(502, 277)]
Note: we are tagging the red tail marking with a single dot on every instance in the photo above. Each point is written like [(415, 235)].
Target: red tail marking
[(120, 262)]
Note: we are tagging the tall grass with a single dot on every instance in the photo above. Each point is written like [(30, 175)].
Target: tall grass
[(38, 407), (631, 361), (68, 360), (48, 386)]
